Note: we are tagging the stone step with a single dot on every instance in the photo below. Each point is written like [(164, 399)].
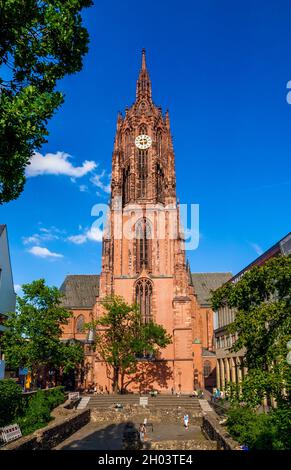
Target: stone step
[(103, 402), (83, 403)]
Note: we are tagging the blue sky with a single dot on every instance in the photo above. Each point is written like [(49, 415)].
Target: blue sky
[(221, 67)]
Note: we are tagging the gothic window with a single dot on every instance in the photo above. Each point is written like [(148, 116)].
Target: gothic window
[(80, 324), (126, 185), (143, 297), (160, 183), (142, 172), (159, 143), (127, 143), (143, 129), (207, 368), (143, 236)]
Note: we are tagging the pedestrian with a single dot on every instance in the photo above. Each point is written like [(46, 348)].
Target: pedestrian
[(141, 432), (186, 421)]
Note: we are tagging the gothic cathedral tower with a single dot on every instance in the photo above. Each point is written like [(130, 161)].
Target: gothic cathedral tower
[(143, 257)]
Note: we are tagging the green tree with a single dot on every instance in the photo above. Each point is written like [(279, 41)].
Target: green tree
[(10, 401), (262, 302), (122, 338), (40, 43), (32, 335)]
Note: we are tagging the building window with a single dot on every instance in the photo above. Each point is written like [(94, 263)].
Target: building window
[(207, 369), (80, 324), (143, 129), (127, 143), (142, 163), (160, 183), (143, 236), (126, 185), (143, 297), (159, 143)]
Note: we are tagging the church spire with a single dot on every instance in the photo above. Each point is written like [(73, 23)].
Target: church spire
[(143, 86)]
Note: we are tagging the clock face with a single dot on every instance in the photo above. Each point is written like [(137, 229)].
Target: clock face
[(143, 141)]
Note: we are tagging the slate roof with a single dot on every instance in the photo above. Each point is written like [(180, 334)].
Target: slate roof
[(80, 290), (204, 283), (206, 352), (2, 227)]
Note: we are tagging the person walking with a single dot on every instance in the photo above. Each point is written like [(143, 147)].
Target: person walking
[(186, 421)]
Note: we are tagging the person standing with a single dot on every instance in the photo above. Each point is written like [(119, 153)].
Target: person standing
[(186, 421), (141, 432)]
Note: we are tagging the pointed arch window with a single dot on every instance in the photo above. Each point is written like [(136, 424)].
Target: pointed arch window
[(142, 160), (159, 142), (126, 185), (143, 129), (127, 143), (160, 183), (143, 297), (143, 235), (80, 324)]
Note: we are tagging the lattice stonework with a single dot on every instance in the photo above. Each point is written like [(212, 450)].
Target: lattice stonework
[(143, 297)]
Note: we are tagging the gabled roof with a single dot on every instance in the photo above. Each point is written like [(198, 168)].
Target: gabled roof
[(204, 283), (80, 290)]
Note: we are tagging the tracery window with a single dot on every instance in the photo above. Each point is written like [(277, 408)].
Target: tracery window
[(126, 185), (127, 143), (159, 143), (143, 129), (143, 236), (207, 369), (143, 297), (142, 159), (80, 324), (160, 183)]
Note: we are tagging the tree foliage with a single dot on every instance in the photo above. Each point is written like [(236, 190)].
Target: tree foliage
[(32, 335), (262, 302), (10, 401), (40, 43), (122, 338)]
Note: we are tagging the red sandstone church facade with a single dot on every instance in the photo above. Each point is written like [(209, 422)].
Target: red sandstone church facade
[(143, 258)]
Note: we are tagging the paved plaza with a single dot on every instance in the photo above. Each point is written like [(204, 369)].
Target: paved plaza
[(94, 436)]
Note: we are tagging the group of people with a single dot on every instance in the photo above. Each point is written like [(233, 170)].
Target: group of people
[(217, 395), (97, 389)]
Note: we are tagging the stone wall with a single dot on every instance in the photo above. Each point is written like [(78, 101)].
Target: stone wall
[(183, 445), (172, 415), (57, 431), (216, 432)]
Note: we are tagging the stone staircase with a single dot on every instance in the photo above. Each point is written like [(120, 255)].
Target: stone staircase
[(103, 402), (83, 403)]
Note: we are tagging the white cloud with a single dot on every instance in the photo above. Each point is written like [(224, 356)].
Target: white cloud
[(57, 164), (47, 234), (257, 248), (17, 288), (43, 252), (94, 234), (83, 188), (96, 180), (78, 239)]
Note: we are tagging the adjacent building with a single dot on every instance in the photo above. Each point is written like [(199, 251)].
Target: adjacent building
[(230, 367), (7, 294)]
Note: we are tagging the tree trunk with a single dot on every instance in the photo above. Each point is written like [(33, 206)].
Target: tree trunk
[(115, 379)]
